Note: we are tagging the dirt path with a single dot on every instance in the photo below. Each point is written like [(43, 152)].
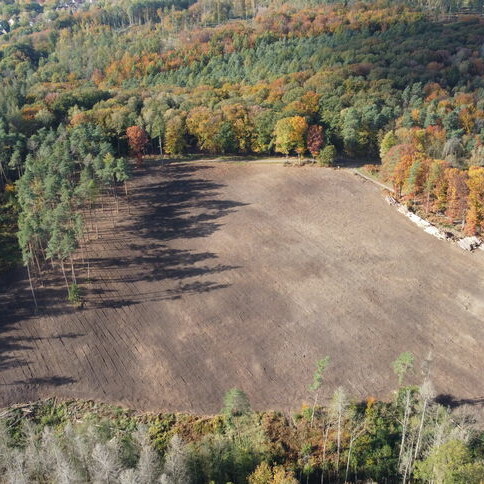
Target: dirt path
[(372, 180), (244, 275)]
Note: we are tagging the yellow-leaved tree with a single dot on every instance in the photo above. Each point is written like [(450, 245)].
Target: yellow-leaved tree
[(264, 474), (291, 135), (475, 200)]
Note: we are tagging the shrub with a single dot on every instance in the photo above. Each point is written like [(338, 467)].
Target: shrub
[(236, 403), (372, 169), (74, 294), (327, 156)]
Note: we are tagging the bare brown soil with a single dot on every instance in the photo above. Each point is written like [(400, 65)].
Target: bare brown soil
[(245, 275)]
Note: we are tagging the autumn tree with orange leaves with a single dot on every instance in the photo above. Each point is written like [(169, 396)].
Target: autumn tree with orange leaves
[(137, 139), (401, 171), (456, 194), (475, 213)]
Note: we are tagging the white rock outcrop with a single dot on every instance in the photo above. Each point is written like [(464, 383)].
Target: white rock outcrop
[(469, 243)]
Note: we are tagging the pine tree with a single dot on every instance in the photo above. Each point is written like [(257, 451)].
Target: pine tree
[(318, 379), (236, 403)]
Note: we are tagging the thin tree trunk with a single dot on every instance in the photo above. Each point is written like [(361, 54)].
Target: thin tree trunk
[(314, 408), (407, 467), (355, 434), (64, 274), (32, 288), (37, 263), (115, 197), (127, 195), (74, 280), (419, 435), (404, 426), (348, 460), (96, 223), (338, 444), (4, 176), (90, 218), (42, 251), (325, 441)]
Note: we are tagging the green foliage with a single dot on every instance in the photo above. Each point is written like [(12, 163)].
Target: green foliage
[(9, 251), (225, 139), (161, 431), (318, 375), (402, 365), (376, 450), (254, 448), (247, 87), (327, 156), (232, 455), (64, 172), (74, 294), (450, 463), (388, 141), (236, 403), (413, 177), (175, 134)]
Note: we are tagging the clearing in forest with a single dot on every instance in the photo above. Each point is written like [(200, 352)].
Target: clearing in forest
[(245, 275)]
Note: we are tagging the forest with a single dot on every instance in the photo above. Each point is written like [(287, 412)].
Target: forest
[(411, 438), (89, 89), (395, 85)]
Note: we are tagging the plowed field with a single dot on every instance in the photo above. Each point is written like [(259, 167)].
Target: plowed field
[(244, 275)]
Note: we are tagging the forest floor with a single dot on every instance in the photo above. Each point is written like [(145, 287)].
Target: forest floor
[(232, 274)]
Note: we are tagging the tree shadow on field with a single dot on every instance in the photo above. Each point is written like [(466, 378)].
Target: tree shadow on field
[(448, 400), (180, 205), (55, 381), (148, 241), (18, 351), (169, 204), (356, 161), (12, 344)]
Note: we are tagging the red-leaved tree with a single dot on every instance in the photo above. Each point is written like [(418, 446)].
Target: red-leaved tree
[(315, 139), (137, 139)]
